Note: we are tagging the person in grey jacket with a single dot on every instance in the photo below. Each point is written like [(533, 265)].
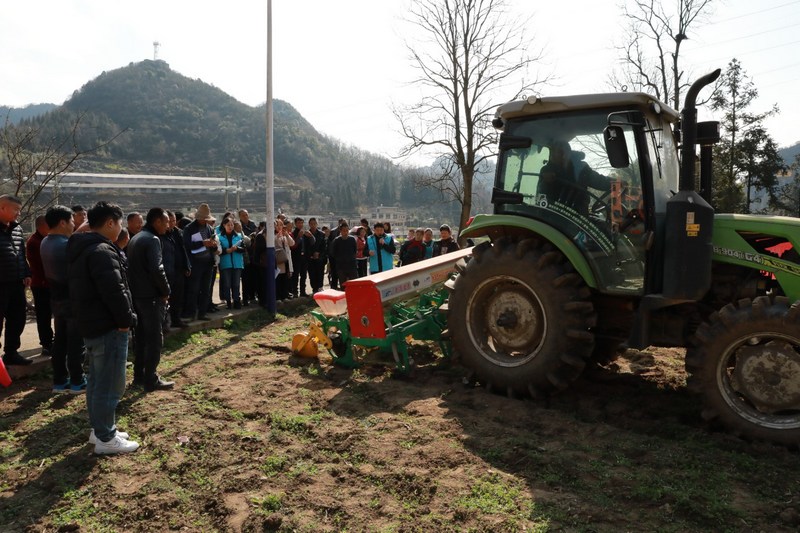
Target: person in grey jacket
[(15, 277), (150, 291), (67, 352)]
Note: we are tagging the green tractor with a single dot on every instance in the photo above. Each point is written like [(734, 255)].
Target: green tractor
[(603, 237)]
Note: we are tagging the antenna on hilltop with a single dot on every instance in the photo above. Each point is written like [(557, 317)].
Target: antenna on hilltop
[(156, 46)]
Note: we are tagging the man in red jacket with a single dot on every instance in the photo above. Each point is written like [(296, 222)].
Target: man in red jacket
[(39, 286)]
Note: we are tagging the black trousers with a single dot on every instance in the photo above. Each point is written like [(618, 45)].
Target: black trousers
[(249, 282), (333, 277), (13, 307), (316, 273), (177, 288), (197, 288), (211, 280), (44, 315), (299, 276), (282, 286), (148, 339), (261, 284), (361, 264), (67, 352)]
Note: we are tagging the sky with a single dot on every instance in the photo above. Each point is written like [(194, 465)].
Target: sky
[(344, 64)]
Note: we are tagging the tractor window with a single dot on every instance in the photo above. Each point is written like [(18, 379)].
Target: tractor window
[(565, 179), (664, 161)]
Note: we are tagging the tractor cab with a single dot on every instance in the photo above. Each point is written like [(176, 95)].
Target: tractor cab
[(598, 169)]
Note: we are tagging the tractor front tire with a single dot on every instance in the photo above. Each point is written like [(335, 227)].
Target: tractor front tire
[(520, 318), (745, 361)]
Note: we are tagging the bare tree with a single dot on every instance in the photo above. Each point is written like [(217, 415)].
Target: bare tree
[(31, 164), (467, 54), (651, 47)]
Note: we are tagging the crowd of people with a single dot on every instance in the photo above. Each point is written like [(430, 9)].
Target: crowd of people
[(96, 285), (304, 255)]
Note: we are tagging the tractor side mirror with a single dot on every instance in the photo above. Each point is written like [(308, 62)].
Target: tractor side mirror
[(616, 147)]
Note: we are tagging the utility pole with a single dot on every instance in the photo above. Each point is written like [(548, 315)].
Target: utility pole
[(226, 189), (271, 304), (238, 192)]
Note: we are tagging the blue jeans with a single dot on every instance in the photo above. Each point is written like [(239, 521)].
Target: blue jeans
[(229, 281), (106, 356)]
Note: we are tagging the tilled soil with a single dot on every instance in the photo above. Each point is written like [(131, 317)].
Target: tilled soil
[(255, 439)]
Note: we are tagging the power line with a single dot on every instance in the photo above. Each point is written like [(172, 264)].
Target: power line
[(752, 13), (772, 30), (746, 53)]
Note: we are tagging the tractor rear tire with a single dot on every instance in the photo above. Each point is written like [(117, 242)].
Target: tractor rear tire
[(520, 318), (745, 361)]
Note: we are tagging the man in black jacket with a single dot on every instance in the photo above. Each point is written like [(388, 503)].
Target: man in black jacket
[(447, 244), (150, 290), (249, 273), (102, 303), (301, 252), (318, 257), (15, 276), (178, 269)]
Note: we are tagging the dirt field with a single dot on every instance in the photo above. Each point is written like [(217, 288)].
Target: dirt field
[(253, 439)]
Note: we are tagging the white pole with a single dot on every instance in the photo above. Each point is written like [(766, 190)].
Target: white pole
[(270, 231)]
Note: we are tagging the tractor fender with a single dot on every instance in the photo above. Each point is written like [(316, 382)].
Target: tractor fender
[(496, 226)]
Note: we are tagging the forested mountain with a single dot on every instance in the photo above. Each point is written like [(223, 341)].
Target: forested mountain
[(790, 153), (16, 114), (175, 124)]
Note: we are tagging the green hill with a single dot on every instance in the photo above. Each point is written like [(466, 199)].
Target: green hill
[(790, 153), (175, 124), (16, 114)]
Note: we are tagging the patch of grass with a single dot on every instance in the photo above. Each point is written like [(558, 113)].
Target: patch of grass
[(79, 508), (268, 504), (274, 464), (303, 467), (297, 424), (493, 495)]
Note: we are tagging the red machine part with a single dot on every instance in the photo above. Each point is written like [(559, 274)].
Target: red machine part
[(367, 297)]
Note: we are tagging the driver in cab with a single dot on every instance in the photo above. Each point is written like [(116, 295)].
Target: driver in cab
[(566, 176)]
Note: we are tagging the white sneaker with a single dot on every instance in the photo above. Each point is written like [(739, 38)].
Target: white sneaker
[(93, 439), (115, 445)]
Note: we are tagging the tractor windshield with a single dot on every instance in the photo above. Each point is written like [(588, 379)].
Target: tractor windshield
[(565, 179)]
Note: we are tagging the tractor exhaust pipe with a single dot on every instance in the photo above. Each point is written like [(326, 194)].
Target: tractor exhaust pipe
[(689, 130), (689, 219)]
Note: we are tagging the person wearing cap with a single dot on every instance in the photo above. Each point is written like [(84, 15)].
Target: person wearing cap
[(201, 244), (446, 243)]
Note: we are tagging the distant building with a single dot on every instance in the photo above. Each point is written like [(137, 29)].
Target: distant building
[(85, 182), (396, 216)]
